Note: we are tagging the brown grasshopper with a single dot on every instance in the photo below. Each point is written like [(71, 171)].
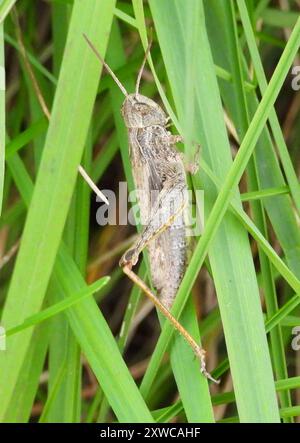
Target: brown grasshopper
[(157, 166)]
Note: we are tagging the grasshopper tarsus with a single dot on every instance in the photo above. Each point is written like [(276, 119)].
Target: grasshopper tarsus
[(200, 354)]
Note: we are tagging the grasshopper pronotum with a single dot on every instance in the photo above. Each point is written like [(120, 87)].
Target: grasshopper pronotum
[(157, 166)]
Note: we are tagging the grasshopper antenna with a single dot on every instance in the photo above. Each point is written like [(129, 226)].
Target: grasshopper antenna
[(109, 70), (138, 80)]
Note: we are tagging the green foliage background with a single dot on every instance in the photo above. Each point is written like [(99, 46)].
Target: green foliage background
[(78, 348)]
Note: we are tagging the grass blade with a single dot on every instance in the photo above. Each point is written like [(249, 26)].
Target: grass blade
[(67, 132), (218, 212), (5, 8), (192, 386), (2, 114)]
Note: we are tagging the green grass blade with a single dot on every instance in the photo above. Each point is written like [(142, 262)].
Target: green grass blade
[(58, 307), (280, 211), (279, 18), (25, 137), (2, 114), (20, 407), (270, 192), (192, 386), (73, 357), (66, 406), (278, 263), (242, 123), (67, 132), (5, 7), (224, 197), (100, 348), (53, 393), (32, 59), (275, 125), (96, 340)]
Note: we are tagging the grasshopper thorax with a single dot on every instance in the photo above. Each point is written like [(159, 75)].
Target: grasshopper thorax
[(139, 111)]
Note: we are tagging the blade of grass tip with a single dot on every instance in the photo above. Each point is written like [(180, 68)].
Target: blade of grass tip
[(58, 307), (191, 384), (64, 144), (2, 114)]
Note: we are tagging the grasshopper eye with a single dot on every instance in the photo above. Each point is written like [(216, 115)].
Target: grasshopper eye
[(142, 108)]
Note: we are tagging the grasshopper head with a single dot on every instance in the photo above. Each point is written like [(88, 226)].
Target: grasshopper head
[(139, 111)]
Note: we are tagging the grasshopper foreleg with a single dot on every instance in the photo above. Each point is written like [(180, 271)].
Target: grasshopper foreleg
[(168, 205), (191, 166)]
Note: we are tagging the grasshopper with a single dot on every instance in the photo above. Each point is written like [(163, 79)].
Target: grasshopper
[(157, 166)]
